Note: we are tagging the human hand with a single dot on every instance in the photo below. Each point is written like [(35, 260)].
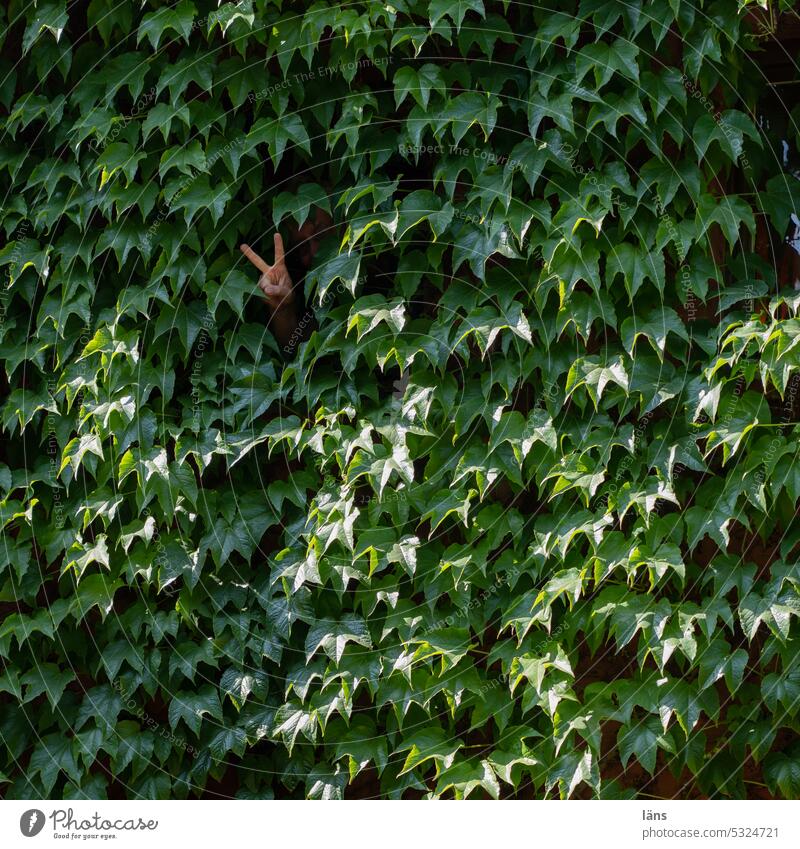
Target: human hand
[(274, 282)]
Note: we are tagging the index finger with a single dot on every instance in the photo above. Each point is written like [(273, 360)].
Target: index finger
[(254, 258)]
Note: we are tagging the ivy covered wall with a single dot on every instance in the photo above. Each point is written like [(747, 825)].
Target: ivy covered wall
[(513, 516)]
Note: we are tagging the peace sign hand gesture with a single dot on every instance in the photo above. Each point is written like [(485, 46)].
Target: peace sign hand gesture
[(274, 282)]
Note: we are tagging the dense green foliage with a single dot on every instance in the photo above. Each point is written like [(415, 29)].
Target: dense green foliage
[(516, 518)]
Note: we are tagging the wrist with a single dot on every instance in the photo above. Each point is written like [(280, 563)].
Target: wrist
[(284, 307)]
